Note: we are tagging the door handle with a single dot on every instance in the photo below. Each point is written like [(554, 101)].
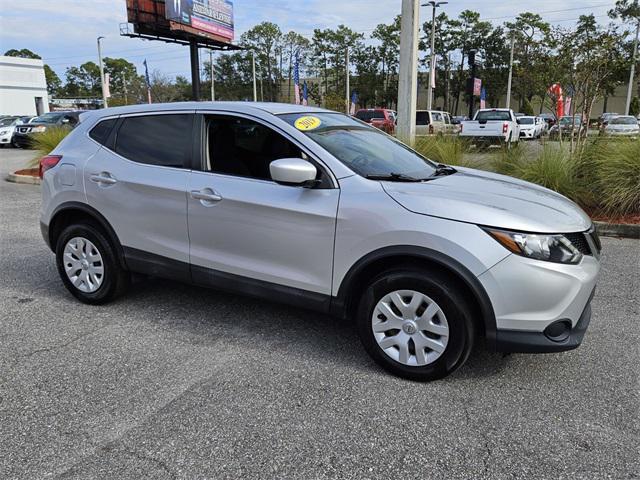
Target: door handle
[(205, 195), (103, 177)]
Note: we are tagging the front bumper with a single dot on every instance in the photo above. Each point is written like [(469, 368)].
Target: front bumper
[(530, 296), (518, 341), (22, 140)]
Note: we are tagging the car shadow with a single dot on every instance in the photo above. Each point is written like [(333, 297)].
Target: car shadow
[(206, 315)]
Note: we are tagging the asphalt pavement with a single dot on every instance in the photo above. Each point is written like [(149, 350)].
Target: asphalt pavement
[(174, 381)]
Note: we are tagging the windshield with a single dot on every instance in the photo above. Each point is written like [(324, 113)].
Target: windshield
[(623, 121), (526, 120), (5, 122), (363, 149), (569, 120), (490, 115), (48, 118), (368, 115)]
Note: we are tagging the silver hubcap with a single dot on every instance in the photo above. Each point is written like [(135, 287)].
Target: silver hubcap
[(410, 327), (83, 264)]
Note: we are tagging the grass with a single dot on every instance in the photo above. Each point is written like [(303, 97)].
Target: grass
[(47, 141), (449, 149), (617, 166)]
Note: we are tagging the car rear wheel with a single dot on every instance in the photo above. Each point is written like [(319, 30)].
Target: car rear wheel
[(416, 324), (88, 265)]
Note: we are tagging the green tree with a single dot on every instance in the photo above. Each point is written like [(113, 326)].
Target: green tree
[(124, 82), (83, 81), (388, 58), (634, 107), (264, 40), (23, 53)]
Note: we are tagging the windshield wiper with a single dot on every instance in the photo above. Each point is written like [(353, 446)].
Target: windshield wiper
[(393, 177), (442, 169)]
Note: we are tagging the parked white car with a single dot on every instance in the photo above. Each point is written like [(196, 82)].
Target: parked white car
[(8, 128), (529, 127), (622, 125), (492, 126)]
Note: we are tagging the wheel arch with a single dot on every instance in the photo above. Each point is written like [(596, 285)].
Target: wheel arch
[(378, 261), (69, 213)]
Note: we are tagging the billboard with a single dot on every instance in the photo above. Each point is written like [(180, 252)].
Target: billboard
[(209, 16)]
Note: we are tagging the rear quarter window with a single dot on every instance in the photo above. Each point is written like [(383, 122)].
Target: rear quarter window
[(162, 140), (100, 133)]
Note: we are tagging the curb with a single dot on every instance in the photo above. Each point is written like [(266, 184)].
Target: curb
[(26, 179), (623, 230)]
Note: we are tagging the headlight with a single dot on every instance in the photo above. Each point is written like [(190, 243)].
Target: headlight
[(550, 248), (4, 132), (38, 129)]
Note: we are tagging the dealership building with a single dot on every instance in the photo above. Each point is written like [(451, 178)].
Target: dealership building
[(23, 87)]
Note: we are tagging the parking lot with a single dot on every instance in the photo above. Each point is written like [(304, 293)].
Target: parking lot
[(174, 381)]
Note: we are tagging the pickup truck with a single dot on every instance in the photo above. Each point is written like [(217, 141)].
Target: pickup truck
[(492, 126)]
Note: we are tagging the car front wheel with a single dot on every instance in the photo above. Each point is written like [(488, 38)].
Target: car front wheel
[(88, 265), (416, 324)]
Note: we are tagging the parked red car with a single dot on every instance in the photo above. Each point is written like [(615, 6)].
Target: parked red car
[(381, 118)]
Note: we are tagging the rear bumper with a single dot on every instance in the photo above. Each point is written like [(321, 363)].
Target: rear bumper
[(480, 139), (517, 341)]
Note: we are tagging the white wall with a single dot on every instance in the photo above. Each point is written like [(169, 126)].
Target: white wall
[(22, 80)]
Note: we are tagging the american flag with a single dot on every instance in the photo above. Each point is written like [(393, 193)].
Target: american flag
[(305, 94), (296, 79)]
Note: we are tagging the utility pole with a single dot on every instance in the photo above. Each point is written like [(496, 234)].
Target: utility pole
[(348, 97), (253, 66), (513, 44), (124, 87), (633, 70), (213, 80), (102, 83), (408, 71), (432, 59)]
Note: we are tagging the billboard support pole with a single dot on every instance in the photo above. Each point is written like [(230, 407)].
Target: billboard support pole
[(195, 70)]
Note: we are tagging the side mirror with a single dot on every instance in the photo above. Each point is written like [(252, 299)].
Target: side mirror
[(518, 121), (293, 172)]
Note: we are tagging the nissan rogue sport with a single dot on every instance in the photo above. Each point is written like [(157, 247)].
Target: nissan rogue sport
[(319, 210)]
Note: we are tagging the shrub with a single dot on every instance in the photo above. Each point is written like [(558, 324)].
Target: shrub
[(555, 169), (449, 149), (508, 161), (634, 107), (617, 166), (46, 141), (527, 109)]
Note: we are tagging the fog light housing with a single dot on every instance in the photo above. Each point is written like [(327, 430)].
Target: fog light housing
[(558, 331)]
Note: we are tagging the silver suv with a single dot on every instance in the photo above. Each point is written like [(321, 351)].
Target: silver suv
[(319, 210)]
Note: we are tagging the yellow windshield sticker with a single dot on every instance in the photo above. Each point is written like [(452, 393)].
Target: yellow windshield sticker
[(307, 123)]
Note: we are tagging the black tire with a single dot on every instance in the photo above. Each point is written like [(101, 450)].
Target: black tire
[(447, 294), (115, 280)]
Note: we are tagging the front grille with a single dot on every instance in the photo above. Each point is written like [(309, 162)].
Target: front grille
[(580, 242)]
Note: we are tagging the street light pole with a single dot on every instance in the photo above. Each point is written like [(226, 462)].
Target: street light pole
[(633, 70), (432, 58), (102, 84), (408, 71), (255, 85), (513, 44), (347, 76)]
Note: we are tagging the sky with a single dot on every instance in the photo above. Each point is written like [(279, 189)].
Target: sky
[(64, 32)]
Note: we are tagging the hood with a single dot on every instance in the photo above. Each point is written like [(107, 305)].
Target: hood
[(490, 199)]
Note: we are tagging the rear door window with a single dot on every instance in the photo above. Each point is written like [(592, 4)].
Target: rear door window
[(437, 117), (162, 140)]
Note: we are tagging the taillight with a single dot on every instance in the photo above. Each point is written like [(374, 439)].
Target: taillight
[(461, 126), (505, 127), (431, 129), (47, 163)]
